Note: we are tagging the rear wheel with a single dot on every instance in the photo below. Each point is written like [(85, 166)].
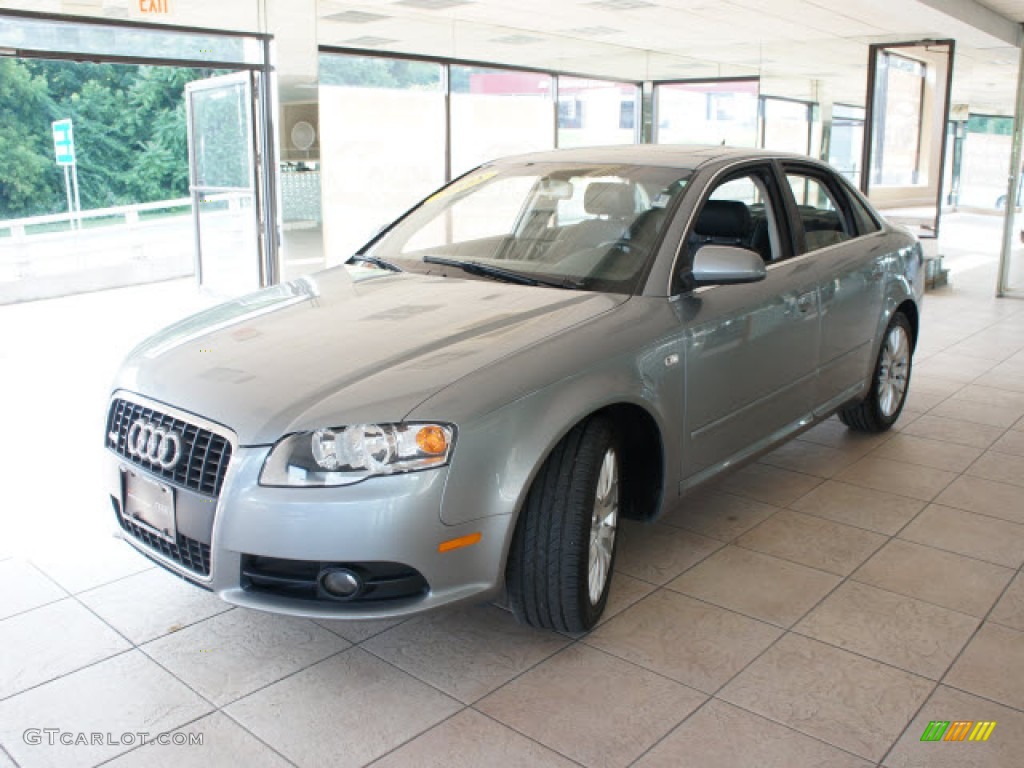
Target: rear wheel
[(890, 381), (563, 550)]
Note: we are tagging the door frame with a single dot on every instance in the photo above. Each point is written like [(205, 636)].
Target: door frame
[(249, 79)]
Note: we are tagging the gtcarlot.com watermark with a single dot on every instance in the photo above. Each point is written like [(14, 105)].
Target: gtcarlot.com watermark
[(57, 736)]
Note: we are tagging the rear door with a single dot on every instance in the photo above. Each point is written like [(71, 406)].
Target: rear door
[(850, 264), (752, 349)]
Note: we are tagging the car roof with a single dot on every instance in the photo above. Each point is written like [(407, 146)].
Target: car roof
[(669, 155)]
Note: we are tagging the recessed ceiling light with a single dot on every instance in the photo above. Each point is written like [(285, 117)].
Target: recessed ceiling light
[(621, 5), (369, 41), (355, 17), (433, 5), (590, 31), (517, 39)]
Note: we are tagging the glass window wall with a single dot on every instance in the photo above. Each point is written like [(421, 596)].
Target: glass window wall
[(985, 163), (498, 112), (707, 112), (786, 125), (382, 144), (596, 112), (846, 142)]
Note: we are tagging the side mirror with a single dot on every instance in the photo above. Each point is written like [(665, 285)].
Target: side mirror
[(724, 264)]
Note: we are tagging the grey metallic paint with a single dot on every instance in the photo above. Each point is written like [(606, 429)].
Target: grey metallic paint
[(724, 372)]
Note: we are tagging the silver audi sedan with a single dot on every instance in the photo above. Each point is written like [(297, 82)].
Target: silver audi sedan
[(471, 403)]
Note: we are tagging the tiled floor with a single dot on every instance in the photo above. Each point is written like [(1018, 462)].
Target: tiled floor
[(818, 608)]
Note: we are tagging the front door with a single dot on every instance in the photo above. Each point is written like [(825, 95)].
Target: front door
[(751, 350), (226, 202)]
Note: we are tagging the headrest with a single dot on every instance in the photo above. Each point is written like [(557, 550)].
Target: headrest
[(610, 198), (724, 218)]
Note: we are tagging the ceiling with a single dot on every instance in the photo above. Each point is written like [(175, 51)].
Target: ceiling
[(809, 49), (806, 49)]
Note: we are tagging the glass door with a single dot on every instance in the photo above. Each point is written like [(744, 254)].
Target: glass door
[(223, 183), (905, 131)]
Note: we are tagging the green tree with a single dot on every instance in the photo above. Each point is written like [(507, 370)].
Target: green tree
[(990, 124), (30, 181), (370, 72), (129, 128), (101, 143), (158, 132)]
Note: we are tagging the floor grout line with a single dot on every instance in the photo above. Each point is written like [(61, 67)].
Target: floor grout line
[(843, 579), (9, 756), (951, 665)]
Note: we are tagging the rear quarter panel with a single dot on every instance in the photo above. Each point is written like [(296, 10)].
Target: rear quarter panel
[(904, 278)]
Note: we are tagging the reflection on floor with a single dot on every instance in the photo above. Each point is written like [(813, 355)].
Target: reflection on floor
[(818, 607)]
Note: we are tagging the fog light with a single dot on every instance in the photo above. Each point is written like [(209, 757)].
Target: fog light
[(340, 582)]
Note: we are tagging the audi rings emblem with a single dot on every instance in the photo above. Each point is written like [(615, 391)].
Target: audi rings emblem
[(154, 444)]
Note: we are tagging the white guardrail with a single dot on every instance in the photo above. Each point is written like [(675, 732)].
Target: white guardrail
[(56, 255), (128, 213)]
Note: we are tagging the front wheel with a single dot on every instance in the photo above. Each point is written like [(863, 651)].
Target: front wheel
[(563, 550), (889, 384)]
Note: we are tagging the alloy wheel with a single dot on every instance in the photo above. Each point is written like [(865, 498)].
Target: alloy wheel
[(892, 371), (603, 524)]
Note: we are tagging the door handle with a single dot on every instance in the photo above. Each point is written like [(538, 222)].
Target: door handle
[(805, 302)]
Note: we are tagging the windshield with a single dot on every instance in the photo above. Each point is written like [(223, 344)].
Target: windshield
[(581, 226)]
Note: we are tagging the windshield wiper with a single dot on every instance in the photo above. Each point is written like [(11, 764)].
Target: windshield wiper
[(376, 262), (497, 273)]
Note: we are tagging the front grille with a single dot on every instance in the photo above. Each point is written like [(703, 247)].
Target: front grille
[(189, 553), (299, 579), (204, 454)]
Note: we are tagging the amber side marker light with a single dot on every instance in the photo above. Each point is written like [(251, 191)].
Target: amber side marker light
[(432, 440), (459, 543)]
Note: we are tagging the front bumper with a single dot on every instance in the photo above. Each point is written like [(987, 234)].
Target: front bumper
[(394, 520)]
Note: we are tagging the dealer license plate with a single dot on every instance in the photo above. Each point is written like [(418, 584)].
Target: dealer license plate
[(149, 503)]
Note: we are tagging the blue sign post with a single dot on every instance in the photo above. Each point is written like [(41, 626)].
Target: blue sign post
[(64, 149), (64, 142)]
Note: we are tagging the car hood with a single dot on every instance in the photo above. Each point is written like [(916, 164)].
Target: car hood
[(348, 345)]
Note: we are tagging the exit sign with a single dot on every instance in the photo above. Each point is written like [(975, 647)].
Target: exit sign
[(154, 7)]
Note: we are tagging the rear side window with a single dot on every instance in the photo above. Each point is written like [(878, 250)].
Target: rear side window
[(866, 222), (824, 220)]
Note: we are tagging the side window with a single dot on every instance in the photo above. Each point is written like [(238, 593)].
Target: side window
[(866, 221), (824, 222), (738, 212)]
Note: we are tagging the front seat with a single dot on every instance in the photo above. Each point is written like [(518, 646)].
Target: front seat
[(723, 222), (613, 206)]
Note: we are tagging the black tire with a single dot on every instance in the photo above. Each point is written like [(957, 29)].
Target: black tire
[(870, 415), (547, 575)]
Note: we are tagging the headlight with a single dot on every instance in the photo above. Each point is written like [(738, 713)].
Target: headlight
[(345, 455)]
